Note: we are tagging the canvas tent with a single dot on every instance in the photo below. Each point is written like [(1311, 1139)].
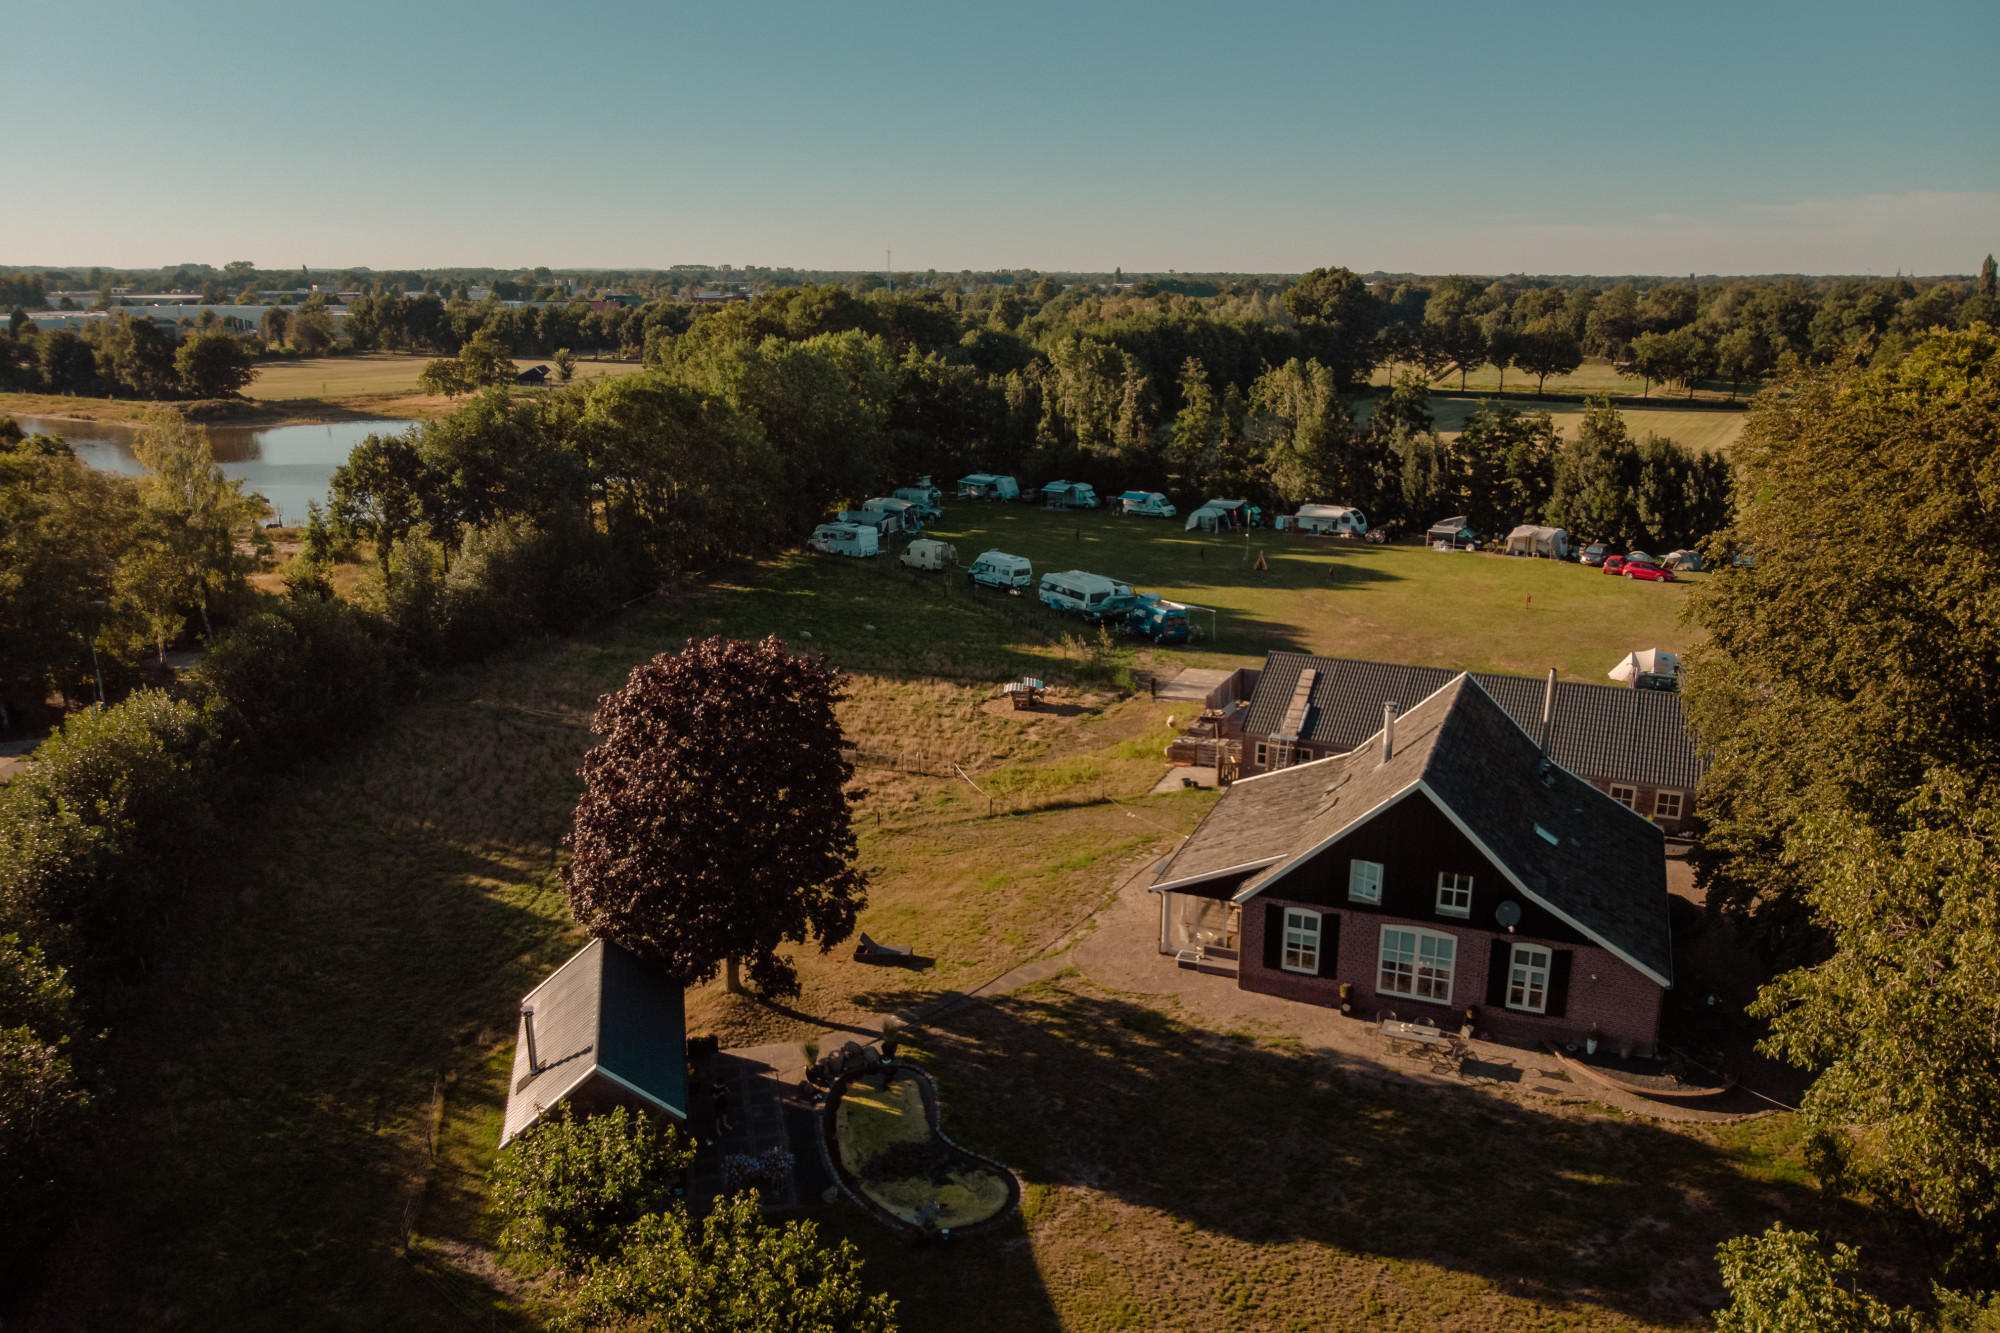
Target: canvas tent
[(1682, 559), (1219, 516), (600, 1031), (1529, 539), (1456, 531)]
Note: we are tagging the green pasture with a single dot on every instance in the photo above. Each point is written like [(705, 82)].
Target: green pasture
[(1345, 598), (372, 374)]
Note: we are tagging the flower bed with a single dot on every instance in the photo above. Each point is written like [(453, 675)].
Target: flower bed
[(884, 1145)]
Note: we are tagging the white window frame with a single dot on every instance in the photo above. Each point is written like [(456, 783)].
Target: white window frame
[(1660, 798), (1300, 922), (1450, 886), (1263, 754), (1364, 882), (1516, 963), (1630, 800), (1426, 977)]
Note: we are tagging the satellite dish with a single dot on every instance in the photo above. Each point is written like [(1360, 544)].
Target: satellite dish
[(1508, 914)]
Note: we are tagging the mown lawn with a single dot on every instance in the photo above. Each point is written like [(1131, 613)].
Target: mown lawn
[(368, 373), (1349, 599), (344, 976)]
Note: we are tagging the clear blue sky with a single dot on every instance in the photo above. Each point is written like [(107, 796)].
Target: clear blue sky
[(1540, 138)]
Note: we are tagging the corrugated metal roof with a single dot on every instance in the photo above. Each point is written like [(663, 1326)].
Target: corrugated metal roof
[(600, 1010), (1600, 731)]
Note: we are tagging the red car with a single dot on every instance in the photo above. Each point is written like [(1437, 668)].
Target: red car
[(1613, 563), (1639, 567)]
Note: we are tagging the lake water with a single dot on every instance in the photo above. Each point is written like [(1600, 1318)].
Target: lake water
[(287, 465)]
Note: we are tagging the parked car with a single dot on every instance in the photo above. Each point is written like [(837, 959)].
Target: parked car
[(1614, 564), (997, 569), (1639, 565), (1595, 553)]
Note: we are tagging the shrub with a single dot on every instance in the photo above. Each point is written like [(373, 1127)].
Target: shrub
[(42, 1101), (732, 1271), (567, 1190)]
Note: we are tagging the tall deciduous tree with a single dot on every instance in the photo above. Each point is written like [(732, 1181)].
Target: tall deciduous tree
[(1546, 347), (213, 365), (199, 518), (1337, 318), (714, 826)]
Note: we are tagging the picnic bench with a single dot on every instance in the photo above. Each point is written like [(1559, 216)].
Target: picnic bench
[(1025, 692), (1444, 1051)]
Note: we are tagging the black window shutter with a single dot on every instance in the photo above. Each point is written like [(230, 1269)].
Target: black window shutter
[(1559, 982), (1274, 934), (1498, 961), (1329, 943)]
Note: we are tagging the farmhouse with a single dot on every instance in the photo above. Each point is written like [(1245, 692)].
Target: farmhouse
[(1447, 865), (1632, 744), (600, 1032)]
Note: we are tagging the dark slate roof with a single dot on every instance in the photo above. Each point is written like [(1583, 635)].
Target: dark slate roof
[(1600, 731), (1605, 873), (602, 1013), (1261, 825)]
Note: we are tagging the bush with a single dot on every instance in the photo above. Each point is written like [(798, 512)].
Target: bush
[(295, 678), (568, 1190), (42, 1101), (108, 819), (732, 1271)]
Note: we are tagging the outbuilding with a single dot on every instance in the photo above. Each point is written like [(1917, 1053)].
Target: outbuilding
[(1531, 539), (601, 1031)]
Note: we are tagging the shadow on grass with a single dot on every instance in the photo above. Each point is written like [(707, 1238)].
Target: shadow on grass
[(1266, 1145)]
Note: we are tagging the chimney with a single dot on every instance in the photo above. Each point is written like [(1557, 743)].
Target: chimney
[(1548, 711), (1389, 710), (528, 1025)]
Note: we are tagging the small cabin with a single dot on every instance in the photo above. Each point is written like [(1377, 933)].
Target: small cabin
[(601, 1031)]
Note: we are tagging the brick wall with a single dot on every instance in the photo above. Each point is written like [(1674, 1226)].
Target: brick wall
[(1646, 801), (1605, 992)]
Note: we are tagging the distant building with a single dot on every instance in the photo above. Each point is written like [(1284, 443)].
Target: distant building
[(601, 1031)]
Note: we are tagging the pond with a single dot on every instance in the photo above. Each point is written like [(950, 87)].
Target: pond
[(889, 1151), (287, 465)]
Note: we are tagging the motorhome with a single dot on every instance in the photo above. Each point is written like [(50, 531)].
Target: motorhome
[(845, 539), (929, 553), (997, 569), (1091, 596), (988, 486), (883, 523), (1146, 504), (1069, 495)]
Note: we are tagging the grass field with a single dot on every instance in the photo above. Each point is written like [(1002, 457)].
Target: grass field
[(317, 1066), (1700, 427), (368, 374), (1595, 375)]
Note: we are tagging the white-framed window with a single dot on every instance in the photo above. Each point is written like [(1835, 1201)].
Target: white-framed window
[(1667, 805), (1417, 963), (1454, 894), (1364, 881), (1625, 796), (1264, 752), (1301, 953), (1528, 979)]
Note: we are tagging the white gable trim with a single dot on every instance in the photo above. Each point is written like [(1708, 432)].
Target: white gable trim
[(542, 1108), (1166, 886), (640, 1092), (1536, 898), (1324, 843)]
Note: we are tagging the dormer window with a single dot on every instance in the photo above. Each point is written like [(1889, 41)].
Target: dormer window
[(1364, 881)]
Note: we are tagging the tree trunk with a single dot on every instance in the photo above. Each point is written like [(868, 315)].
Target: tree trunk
[(732, 980)]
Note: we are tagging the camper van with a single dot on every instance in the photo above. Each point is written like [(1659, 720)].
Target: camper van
[(1146, 504), (988, 486), (907, 513), (929, 553), (997, 569), (1158, 619), (1330, 520), (925, 496), (845, 539), (1069, 495), (1091, 596), (884, 524)]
